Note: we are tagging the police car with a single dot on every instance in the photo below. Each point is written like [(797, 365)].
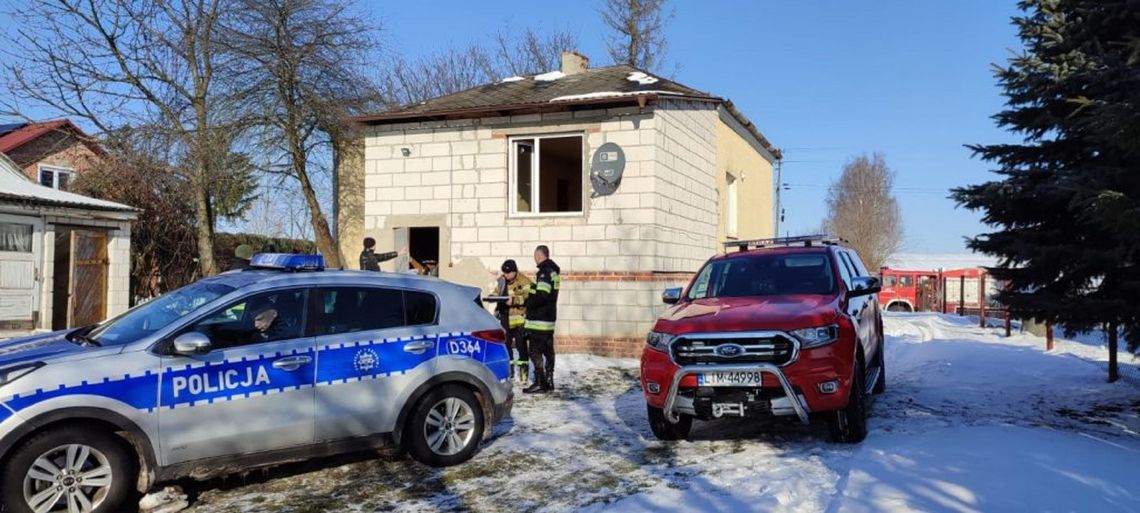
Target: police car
[(278, 362)]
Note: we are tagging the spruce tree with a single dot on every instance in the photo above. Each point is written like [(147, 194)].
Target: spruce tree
[(1065, 212)]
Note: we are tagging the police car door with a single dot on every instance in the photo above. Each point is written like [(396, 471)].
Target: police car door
[(252, 392), (372, 342)]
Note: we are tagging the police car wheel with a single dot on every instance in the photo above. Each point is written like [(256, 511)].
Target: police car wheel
[(446, 427), (68, 469)]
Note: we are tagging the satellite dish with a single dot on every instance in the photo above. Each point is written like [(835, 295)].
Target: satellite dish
[(606, 169)]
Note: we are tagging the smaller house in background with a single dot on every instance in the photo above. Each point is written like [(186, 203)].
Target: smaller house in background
[(51, 153), (64, 258)]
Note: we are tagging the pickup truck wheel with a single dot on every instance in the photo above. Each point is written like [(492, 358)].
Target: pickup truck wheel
[(881, 383), (665, 430), (849, 425), (445, 428), (68, 469)]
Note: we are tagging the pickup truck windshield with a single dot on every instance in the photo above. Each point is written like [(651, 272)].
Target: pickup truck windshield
[(765, 275), (156, 314)]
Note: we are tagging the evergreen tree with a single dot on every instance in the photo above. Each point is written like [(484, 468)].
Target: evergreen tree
[(1066, 211)]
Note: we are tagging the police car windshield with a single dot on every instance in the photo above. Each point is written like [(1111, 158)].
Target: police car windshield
[(157, 313), (765, 275)]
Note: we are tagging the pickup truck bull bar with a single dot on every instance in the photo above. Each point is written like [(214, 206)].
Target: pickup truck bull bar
[(764, 368)]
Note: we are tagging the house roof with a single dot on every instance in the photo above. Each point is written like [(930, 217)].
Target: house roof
[(554, 91), (15, 135), (15, 187)]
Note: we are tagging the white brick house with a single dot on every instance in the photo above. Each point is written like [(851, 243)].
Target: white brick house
[(476, 177)]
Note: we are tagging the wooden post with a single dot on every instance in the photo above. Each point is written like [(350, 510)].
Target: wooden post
[(962, 295), (1008, 324), (1048, 335), (945, 307), (1113, 370), (982, 300)]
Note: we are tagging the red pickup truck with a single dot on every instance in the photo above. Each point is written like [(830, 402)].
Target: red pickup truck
[(781, 327)]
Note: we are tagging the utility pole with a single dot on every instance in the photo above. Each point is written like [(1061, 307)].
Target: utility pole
[(779, 212)]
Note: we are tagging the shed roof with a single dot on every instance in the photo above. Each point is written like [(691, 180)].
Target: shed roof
[(16, 187)]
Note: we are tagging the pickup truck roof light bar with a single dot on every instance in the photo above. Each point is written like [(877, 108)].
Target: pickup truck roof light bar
[(806, 240)]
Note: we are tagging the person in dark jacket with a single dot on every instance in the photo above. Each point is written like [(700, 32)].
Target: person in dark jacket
[(370, 260), (541, 313)]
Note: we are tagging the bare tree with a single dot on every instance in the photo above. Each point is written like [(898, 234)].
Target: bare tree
[(455, 69), (310, 56), (157, 67), (162, 241), (862, 210), (637, 32)]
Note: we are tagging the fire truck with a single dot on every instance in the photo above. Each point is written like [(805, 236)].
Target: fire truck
[(943, 290)]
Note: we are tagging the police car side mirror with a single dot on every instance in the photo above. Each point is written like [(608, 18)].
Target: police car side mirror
[(192, 343), (671, 296)]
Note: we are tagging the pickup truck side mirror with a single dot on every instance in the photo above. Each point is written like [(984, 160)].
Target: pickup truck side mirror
[(192, 343), (671, 296), (864, 286)]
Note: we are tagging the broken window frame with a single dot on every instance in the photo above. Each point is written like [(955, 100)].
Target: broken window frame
[(536, 175)]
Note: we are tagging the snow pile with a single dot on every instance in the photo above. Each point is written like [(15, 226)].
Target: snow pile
[(605, 94), (549, 76), (971, 422), (641, 78)]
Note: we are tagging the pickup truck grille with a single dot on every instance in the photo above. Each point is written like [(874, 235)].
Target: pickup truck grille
[(697, 350)]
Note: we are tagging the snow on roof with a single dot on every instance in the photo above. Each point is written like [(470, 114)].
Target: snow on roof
[(605, 94), (15, 186), (512, 79), (931, 262), (549, 76), (641, 78)]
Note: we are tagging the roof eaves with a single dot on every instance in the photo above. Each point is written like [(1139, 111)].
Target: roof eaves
[(26, 200), (483, 111), (751, 128)]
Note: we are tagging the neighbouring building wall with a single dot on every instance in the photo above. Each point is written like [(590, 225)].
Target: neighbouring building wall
[(740, 155), (350, 202), (57, 149)]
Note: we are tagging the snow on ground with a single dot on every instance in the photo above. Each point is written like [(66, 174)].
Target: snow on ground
[(971, 421)]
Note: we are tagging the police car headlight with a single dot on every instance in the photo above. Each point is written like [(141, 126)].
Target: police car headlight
[(815, 337), (658, 341), (10, 374)]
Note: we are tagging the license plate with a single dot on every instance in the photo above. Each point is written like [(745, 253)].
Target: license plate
[(729, 379)]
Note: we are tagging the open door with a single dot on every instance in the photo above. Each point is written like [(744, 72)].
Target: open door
[(399, 241)]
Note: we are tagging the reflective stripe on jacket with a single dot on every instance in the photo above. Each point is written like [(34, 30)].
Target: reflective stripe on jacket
[(542, 303)]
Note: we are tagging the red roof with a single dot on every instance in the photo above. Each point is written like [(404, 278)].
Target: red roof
[(32, 131)]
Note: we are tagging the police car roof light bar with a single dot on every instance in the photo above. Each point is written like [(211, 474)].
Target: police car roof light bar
[(288, 262), (806, 240)]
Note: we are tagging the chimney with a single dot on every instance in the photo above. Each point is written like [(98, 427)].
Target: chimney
[(574, 63)]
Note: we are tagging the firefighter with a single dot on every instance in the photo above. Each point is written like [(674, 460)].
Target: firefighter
[(541, 312), (370, 260), (512, 315)]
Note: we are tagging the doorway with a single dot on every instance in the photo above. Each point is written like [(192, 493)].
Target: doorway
[(423, 247), (79, 290)]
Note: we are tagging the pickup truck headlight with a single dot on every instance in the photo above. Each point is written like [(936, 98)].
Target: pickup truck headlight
[(816, 337), (658, 341)]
